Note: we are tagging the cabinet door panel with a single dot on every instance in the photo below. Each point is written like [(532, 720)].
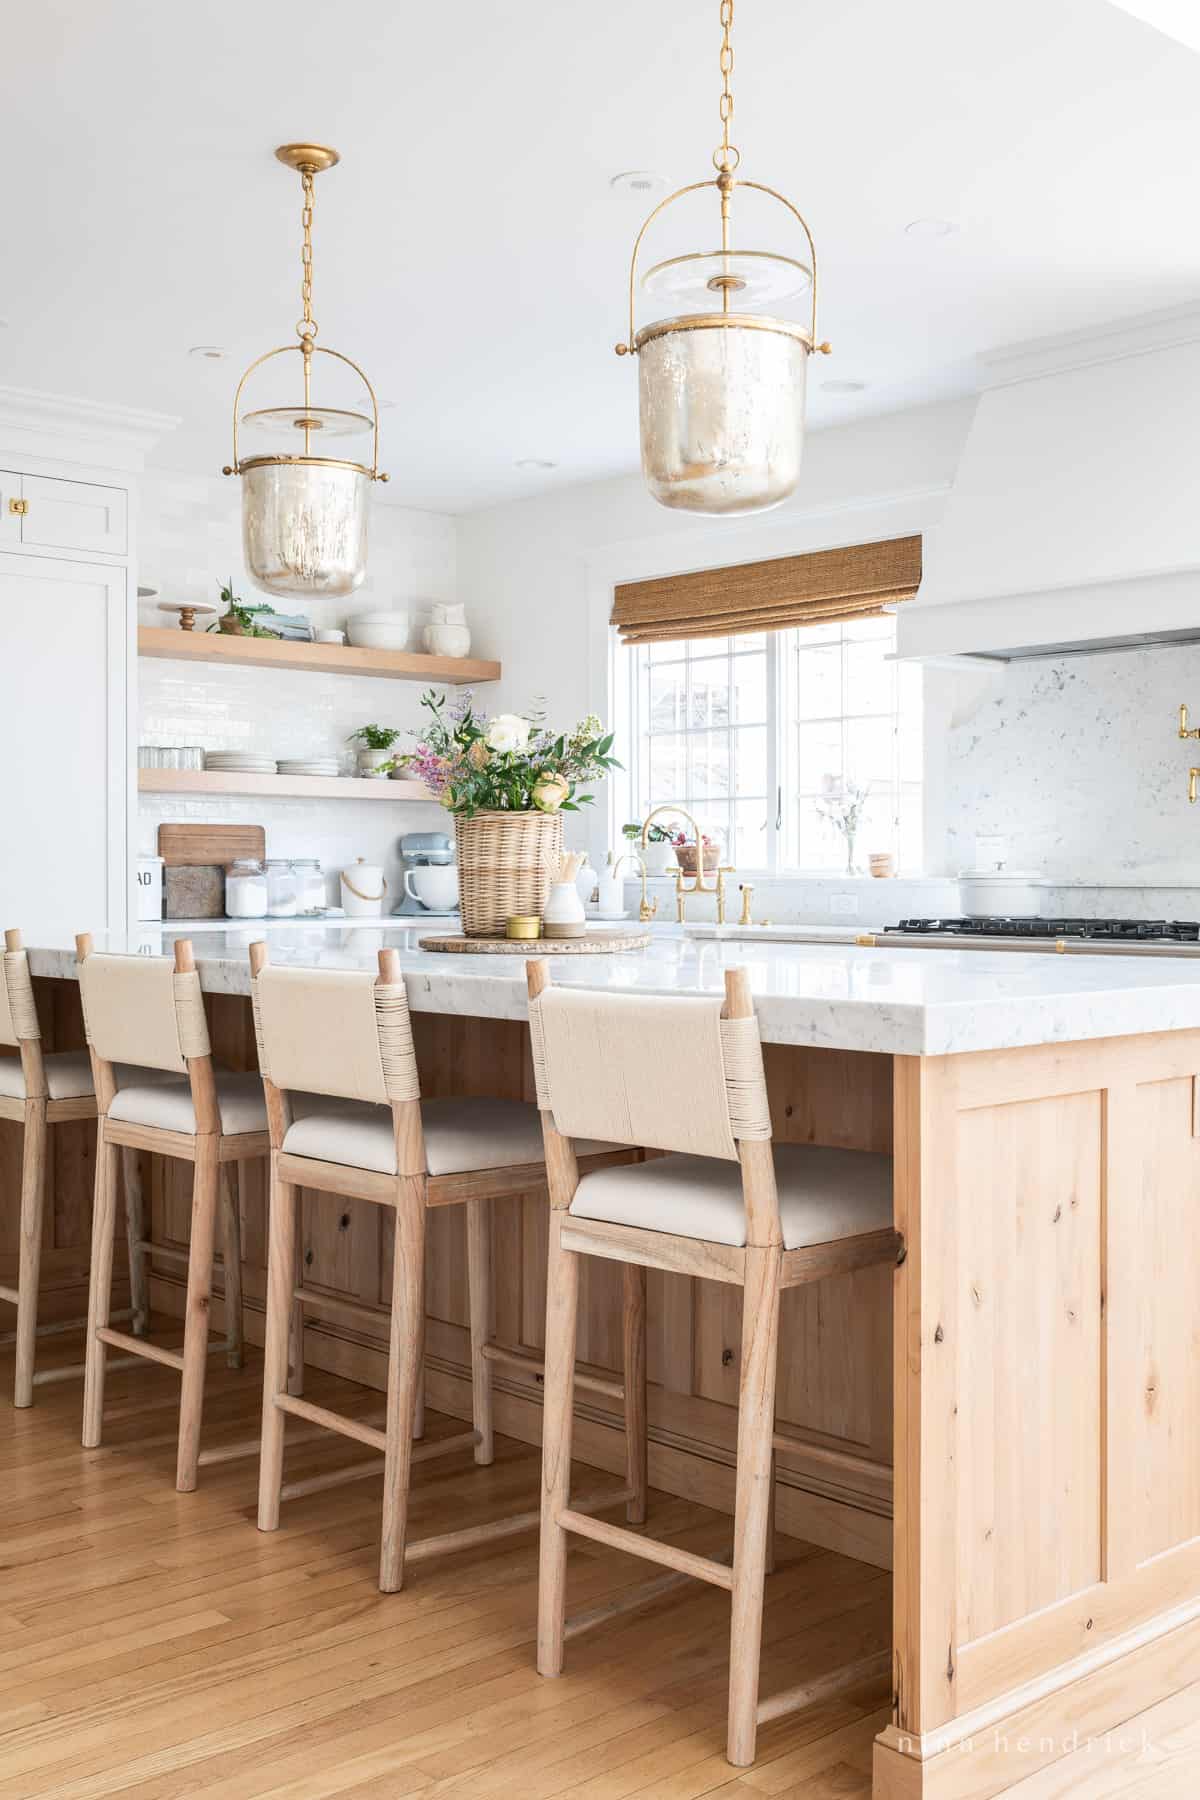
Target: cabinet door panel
[(73, 515), (63, 645)]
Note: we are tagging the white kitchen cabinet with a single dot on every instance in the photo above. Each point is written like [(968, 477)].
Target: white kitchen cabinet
[(52, 514), (65, 635)]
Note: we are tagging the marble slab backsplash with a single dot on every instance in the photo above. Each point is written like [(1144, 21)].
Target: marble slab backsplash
[(833, 900), (1075, 761)]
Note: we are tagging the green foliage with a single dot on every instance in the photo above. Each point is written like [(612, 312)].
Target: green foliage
[(374, 737), (510, 763)]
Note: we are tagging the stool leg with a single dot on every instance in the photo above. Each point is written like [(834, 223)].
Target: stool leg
[(406, 1335), (104, 1211), (33, 1206), (281, 1269), (136, 1235), (295, 1375), (479, 1287), (634, 1334), (562, 1308), (205, 1181), (756, 1429), (231, 1247)]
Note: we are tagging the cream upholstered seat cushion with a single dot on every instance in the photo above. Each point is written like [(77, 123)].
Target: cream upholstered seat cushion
[(460, 1135), (69, 1075), (823, 1195), (167, 1106)]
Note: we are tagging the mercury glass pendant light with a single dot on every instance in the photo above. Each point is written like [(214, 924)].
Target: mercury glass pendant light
[(721, 391), (304, 514)]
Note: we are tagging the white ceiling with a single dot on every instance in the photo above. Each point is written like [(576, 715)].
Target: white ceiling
[(469, 250)]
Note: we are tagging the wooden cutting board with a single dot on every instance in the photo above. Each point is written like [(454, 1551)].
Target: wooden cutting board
[(192, 846)]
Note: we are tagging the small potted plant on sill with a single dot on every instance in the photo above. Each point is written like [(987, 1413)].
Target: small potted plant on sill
[(375, 760), (659, 852), (685, 853)]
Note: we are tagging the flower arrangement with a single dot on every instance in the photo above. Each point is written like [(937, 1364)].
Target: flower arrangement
[(841, 802), (508, 763)]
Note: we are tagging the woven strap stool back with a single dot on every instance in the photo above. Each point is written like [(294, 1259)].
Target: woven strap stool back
[(142, 1009), (663, 1072), (18, 1014), (340, 1032)]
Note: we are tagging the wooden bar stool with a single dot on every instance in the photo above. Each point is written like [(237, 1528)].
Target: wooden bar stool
[(151, 1009), (685, 1075), (37, 1091), (347, 1035)]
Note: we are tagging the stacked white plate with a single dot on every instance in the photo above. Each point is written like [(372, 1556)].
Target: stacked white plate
[(238, 762), (313, 765)]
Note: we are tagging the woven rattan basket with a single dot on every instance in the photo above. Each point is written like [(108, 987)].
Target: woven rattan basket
[(506, 862)]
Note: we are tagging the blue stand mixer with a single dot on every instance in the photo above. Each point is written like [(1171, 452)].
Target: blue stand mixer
[(424, 850)]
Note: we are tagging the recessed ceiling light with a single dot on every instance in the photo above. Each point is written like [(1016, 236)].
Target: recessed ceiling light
[(535, 462), (930, 228), (842, 387), (210, 352), (639, 181)]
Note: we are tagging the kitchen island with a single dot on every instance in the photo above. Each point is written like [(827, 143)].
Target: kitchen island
[(1010, 1419)]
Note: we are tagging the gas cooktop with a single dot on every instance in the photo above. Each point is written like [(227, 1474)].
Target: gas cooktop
[(1174, 931)]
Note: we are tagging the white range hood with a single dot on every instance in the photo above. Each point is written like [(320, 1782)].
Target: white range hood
[(1074, 521)]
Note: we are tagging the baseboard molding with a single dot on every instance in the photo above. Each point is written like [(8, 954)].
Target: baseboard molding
[(702, 1473), (1007, 1748)]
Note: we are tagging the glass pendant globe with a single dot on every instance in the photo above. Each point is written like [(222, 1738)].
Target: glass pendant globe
[(304, 525), (722, 412)]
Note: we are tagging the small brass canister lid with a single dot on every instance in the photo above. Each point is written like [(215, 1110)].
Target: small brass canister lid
[(523, 925)]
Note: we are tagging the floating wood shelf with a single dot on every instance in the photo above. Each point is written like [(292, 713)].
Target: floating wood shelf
[(277, 787), (316, 659)]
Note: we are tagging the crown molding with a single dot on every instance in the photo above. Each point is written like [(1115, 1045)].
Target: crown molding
[(87, 431), (1139, 335)]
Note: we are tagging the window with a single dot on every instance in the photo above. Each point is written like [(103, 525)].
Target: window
[(750, 732)]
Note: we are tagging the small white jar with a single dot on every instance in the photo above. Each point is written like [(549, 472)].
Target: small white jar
[(283, 889), (563, 915), (310, 882), (246, 889)]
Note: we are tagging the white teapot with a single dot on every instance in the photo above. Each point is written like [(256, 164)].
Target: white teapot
[(363, 890)]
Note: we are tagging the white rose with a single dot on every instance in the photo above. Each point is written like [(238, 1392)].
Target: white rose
[(507, 731)]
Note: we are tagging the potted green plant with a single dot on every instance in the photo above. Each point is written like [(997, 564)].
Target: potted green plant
[(240, 620), (374, 749), (658, 853)]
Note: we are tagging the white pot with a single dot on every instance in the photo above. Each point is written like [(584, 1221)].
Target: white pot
[(1013, 894), (370, 760), (363, 890), (658, 858)]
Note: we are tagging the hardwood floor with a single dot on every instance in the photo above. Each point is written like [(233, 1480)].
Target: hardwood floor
[(155, 1644)]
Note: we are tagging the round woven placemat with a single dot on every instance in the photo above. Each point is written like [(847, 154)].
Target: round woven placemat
[(593, 943)]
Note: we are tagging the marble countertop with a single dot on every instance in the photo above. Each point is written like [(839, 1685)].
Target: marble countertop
[(839, 996)]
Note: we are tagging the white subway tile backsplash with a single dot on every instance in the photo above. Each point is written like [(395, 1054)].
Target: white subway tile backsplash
[(189, 541)]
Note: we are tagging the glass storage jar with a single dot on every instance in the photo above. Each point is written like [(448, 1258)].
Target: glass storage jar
[(246, 889), (310, 880), (283, 889)]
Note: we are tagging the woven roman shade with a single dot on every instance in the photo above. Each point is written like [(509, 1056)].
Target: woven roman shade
[(854, 582)]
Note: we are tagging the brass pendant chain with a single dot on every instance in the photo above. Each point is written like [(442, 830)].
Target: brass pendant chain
[(727, 156), (306, 327)]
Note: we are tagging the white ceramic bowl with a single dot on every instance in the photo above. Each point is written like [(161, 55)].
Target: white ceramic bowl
[(379, 631)]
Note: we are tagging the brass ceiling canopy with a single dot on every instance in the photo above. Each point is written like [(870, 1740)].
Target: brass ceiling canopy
[(304, 516), (721, 392)]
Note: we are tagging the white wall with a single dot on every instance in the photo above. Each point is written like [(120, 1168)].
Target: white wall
[(537, 576), (190, 537)]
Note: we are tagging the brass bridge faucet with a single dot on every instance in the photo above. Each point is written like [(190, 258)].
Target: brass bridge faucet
[(699, 885)]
